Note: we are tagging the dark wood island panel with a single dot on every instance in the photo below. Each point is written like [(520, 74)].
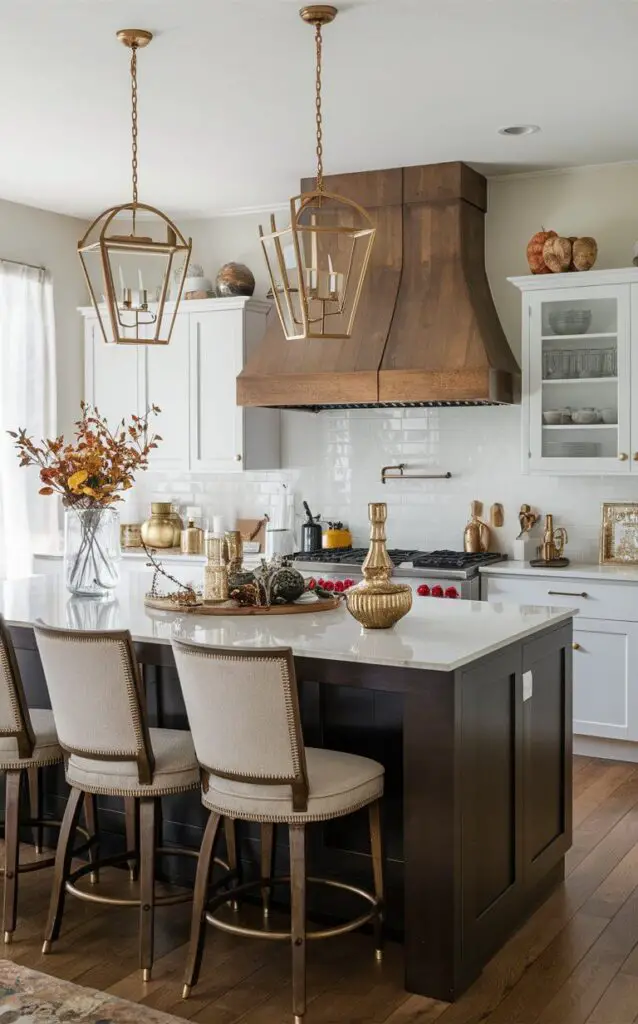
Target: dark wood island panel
[(478, 792)]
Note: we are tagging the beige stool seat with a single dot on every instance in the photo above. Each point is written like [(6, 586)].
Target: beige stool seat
[(46, 749), (176, 769), (338, 784)]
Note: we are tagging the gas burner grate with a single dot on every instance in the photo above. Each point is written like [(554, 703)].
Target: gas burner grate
[(352, 556), (455, 559)]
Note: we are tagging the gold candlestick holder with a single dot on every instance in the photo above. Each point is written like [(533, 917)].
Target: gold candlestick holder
[(215, 571), (376, 602)]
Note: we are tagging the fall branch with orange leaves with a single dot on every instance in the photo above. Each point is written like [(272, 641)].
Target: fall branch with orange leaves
[(101, 461)]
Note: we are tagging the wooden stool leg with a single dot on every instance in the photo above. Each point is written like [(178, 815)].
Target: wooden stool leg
[(12, 853), (147, 885), (132, 835), (230, 832), (376, 844), (267, 837), (90, 820), (200, 893), (63, 857), (298, 909), (34, 776)]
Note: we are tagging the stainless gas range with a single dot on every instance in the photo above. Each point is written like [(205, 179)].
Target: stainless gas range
[(453, 574)]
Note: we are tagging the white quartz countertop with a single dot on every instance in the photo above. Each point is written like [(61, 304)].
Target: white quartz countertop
[(574, 571), (438, 634)]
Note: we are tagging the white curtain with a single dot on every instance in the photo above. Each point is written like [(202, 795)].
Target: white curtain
[(27, 399)]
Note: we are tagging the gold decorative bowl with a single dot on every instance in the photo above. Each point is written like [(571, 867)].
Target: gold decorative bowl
[(379, 605)]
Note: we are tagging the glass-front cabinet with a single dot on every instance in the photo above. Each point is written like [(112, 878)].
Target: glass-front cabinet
[(578, 336)]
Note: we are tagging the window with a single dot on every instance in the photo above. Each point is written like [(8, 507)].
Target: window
[(27, 399)]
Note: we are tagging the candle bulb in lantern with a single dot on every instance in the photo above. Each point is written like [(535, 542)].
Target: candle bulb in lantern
[(122, 287), (332, 279), (142, 299)]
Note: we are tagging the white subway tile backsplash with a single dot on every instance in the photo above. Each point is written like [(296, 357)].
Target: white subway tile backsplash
[(334, 461)]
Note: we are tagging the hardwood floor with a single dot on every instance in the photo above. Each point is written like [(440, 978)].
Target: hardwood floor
[(574, 962)]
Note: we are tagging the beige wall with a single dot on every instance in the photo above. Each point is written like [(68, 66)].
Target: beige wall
[(599, 201), (50, 240)]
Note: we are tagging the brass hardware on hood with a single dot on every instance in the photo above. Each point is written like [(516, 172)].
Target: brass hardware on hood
[(426, 332)]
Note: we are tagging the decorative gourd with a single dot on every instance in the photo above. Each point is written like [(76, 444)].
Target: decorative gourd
[(557, 253), (584, 253), (287, 585), (535, 245)]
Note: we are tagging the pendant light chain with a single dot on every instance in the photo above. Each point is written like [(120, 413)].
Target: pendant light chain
[(134, 126), (318, 43)]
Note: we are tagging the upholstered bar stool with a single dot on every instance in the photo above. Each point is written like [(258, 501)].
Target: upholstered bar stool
[(97, 698), (28, 742), (243, 710)]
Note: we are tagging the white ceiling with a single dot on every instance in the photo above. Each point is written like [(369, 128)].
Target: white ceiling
[(226, 94)]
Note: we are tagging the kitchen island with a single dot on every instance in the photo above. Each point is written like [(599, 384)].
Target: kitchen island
[(468, 706)]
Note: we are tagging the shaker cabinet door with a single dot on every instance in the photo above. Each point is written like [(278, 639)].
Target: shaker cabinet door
[(216, 421), (605, 667), (165, 378), (578, 380), (112, 375)]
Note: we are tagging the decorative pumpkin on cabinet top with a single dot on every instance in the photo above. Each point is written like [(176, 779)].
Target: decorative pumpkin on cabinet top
[(535, 246), (548, 252)]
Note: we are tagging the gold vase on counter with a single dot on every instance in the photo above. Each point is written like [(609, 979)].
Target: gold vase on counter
[(159, 530), (376, 602)]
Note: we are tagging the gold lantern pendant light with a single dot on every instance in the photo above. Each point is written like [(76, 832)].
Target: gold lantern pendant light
[(318, 264), (129, 274)]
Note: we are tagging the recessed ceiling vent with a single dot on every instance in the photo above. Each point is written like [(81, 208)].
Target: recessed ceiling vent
[(427, 332)]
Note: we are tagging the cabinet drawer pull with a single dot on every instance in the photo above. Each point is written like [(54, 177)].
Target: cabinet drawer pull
[(568, 593), (575, 646), (623, 456)]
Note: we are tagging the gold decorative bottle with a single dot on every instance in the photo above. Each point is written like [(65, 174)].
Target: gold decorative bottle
[(376, 602)]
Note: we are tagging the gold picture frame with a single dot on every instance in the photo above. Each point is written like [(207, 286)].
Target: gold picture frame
[(619, 533)]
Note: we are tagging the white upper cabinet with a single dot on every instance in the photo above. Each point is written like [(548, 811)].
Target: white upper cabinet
[(579, 352), (192, 380)]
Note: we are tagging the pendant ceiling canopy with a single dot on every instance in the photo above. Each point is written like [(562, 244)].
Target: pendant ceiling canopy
[(133, 254), (317, 264)]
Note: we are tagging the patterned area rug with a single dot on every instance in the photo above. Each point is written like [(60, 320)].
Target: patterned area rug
[(28, 997)]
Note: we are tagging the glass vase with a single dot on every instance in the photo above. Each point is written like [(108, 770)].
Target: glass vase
[(91, 550)]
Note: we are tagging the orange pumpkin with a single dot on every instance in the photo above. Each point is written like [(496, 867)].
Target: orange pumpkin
[(557, 254), (535, 245)]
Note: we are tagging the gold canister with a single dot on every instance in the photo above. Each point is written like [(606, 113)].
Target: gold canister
[(192, 540), (131, 535), (215, 572), (159, 530), (376, 602), (234, 550)]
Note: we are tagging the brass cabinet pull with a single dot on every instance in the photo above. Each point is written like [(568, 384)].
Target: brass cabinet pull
[(623, 456), (575, 646), (635, 456), (238, 458), (568, 593)]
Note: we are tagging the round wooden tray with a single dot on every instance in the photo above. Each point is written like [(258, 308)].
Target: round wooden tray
[(166, 604)]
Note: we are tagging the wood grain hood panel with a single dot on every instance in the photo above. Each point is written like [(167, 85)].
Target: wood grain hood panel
[(427, 332)]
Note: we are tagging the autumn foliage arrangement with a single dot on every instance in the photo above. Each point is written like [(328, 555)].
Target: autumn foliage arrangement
[(90, 471)]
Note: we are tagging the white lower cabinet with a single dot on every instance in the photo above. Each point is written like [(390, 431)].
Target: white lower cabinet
[(605, 655), (193, 381), (605, 678)]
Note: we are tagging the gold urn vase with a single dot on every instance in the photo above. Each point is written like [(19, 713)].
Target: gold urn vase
[(376, 602)]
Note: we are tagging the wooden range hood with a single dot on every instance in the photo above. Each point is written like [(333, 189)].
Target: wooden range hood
[(426, 332)]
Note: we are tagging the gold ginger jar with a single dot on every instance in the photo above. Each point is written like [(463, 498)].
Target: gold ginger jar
[(159, 530), (376, 602)]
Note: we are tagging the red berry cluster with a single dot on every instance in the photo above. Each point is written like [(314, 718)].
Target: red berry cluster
[(339, 586), (437, 591)]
